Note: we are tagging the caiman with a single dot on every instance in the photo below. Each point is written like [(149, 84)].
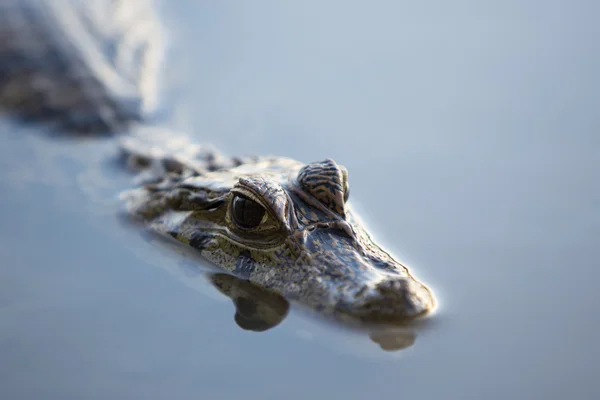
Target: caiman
[(283, 225)]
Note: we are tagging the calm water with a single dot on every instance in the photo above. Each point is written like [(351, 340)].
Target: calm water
[(471, 135)]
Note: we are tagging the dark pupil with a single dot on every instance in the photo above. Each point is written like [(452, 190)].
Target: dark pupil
[(247, 213)]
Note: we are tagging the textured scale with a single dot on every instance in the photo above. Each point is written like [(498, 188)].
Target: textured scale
[(326, 182)]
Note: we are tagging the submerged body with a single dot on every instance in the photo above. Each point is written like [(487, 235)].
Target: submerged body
[(283, 225)]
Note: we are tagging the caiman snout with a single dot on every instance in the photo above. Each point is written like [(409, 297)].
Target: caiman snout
[(392, 299)]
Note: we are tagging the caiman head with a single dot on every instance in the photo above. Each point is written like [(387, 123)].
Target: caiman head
[(287, 227)]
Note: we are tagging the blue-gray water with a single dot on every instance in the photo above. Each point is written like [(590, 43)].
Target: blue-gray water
[(470, 131)]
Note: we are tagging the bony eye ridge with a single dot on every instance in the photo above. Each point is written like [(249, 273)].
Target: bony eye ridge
[(246, 213)]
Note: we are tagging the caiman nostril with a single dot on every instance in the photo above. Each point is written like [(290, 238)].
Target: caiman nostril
[(393, 287)]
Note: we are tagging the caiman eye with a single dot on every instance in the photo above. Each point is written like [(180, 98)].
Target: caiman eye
[(247, 213)]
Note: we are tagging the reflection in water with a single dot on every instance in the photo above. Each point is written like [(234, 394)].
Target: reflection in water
[(256, 309), (392, 340), (259, 310)]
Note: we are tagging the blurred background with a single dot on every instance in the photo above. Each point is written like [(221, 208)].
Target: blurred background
[(470, 132)]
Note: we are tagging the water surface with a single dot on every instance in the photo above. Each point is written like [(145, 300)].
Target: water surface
[(470, 132)]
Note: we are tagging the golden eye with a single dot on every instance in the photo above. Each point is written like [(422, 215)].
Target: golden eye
[(246, 213)]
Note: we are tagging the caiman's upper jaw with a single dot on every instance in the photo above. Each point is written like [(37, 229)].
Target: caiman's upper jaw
[(363, 281)]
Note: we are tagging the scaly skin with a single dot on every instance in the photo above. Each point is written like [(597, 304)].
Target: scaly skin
[(309, 247)]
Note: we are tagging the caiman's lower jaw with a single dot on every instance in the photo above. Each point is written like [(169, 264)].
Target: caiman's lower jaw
[(394, 299)]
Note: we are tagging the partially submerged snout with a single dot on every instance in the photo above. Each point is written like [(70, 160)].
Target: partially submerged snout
[(392, 299)]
